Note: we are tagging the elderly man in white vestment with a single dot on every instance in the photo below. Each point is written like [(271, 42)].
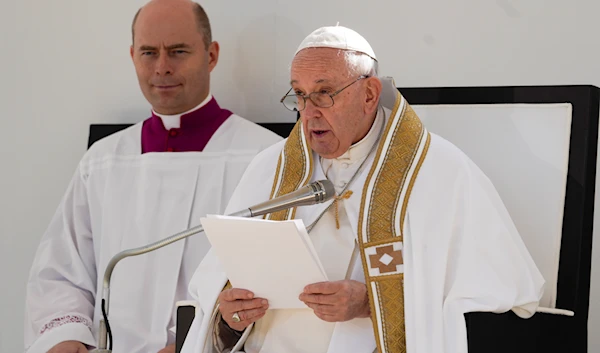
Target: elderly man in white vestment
[(137, 186), (416, 237)]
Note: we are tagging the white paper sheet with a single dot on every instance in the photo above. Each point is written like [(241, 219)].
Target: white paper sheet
[(273, 259)]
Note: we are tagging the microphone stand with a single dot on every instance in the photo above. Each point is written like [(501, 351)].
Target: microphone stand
[(316, 192), (109, 270)]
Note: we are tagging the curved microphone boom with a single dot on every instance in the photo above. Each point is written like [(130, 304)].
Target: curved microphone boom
[(316, 192)]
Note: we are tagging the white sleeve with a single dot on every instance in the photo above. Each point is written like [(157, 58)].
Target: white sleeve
[(61, 289), (489, 269)]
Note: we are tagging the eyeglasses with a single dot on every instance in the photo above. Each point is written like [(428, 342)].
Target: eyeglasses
[(297, 102)]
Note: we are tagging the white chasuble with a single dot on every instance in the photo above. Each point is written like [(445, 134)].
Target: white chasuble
[(452, 247)]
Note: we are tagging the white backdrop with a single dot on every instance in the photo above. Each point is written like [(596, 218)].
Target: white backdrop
[(65, 64)]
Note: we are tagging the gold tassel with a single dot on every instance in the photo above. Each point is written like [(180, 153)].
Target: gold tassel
[(346, 195)]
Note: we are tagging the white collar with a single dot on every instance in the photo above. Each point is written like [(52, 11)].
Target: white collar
[(174, 121)]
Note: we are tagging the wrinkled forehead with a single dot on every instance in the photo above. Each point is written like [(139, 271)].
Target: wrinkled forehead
[(328, 63)]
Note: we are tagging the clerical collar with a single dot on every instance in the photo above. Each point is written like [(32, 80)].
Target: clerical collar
[(174, 121), (359, 150), (195, 128)]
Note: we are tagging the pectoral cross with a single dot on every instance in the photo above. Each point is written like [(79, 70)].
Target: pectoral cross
[(344, 196)]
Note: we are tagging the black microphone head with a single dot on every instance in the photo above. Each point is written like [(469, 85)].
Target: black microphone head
[(324, 190)]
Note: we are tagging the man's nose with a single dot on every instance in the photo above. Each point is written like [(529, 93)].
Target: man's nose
[(163, 65), (310, 110)]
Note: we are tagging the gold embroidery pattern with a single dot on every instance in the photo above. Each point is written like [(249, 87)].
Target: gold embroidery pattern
[(274, 187), (405, 140), (386, 191), (392, 299), (370, 176), (294, 169)]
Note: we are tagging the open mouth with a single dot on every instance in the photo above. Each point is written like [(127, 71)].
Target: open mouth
[(319, 132)]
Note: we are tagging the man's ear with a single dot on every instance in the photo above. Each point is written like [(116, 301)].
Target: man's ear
[(373, 90), (213, 55)]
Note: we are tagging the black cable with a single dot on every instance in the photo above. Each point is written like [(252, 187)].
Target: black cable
[(110, 340)]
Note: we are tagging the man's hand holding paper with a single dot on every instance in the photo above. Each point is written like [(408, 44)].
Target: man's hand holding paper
[(331, 301), (248, 308), (337, 301)]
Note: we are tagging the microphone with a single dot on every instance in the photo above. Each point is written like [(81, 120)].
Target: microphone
[(313, 193), (316, 192)]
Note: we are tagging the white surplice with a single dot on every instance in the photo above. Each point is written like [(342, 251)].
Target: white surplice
[(120, 199), (462, 253)]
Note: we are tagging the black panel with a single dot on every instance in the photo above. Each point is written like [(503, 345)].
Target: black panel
[(282, 129), (99, 131), (544, 333)]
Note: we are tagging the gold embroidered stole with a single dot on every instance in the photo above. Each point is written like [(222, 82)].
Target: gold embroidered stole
[(294, 170), (381, 222), (385, 196)]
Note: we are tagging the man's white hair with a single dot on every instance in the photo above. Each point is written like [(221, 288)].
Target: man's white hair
[(360, 64)]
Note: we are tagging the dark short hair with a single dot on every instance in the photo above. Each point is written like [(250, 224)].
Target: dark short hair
[(201, 20)]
